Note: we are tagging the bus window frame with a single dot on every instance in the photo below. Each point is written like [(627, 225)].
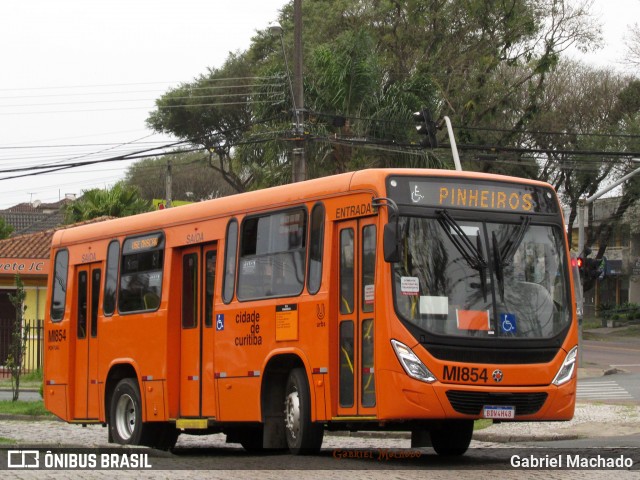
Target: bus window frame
[(54, 318), (257, 257), (160, 247), (227, 296), (319, 206), (106, 278)]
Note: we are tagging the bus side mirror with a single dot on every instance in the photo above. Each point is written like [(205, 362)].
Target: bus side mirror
[(391, 242), (390, 237)]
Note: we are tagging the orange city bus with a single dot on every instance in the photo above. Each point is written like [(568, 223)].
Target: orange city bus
[(391, 299)]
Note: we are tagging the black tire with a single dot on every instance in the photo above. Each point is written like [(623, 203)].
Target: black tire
[(125, 414), (303, 436), (452, 438)]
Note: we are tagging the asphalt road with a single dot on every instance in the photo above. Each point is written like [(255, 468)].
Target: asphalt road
[(621, 354)]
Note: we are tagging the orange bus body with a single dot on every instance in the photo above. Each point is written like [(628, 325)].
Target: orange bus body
[(176, 330)]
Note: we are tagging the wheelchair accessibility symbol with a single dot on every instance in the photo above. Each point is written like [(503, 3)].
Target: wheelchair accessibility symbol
[(508, 323), (220, 322)]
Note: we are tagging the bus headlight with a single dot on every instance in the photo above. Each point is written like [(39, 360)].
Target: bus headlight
[(568, 366), (411, 363)]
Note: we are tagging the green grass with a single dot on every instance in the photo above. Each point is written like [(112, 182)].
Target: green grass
[(632, 331), (7, 441), (23, 408), (481, 424), (32, 381)]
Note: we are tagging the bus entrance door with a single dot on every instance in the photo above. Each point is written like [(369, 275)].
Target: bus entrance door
[(85, 316), (356, 312), (197, 397)]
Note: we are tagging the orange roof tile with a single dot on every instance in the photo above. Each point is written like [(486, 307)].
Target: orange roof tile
[(35, 245)]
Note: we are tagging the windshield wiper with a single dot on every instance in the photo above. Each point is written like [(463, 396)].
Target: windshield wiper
[(470, 252), (503, 255)]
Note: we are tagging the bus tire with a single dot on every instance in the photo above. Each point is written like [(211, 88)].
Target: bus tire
[(303, 436), (125, 414), (452, 438)]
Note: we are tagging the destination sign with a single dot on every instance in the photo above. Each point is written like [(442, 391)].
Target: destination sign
[(140, 244), (470, 194)]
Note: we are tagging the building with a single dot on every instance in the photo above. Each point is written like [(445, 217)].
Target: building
[(27, 256), (620, 283), (35, 217)]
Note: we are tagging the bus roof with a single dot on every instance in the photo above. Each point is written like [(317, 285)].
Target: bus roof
[(362, 180)]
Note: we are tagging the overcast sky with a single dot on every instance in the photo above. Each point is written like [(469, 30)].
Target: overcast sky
[(79, 77)]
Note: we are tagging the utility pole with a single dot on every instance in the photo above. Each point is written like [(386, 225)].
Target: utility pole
[(168, 185), (299, 172)]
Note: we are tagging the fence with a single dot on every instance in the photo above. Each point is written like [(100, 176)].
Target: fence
[(33, 355)]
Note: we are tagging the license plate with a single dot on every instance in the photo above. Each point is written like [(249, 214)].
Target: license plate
[(499, 412)]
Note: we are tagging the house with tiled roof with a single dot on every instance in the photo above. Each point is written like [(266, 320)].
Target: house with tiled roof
[(35, 217)]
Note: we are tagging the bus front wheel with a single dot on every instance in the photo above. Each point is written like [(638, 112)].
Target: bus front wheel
[(125, 419), (452, 438), (303, 436)]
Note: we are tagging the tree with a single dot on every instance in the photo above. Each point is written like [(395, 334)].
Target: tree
[(192, 177), (579, 112), (632, 44), (18, 340), (120, 201), (216, 112), (368, 66), (5, 229)]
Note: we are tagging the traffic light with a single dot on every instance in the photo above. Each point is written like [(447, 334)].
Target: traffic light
[(591, 268), (596, 267), (427, 127)]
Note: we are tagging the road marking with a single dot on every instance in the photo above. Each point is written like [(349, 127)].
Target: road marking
[(602, 390), (627, 365)]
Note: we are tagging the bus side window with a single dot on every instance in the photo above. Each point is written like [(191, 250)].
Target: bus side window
[(231, 248), (141, 273), (272, 255), (59, 285), (316, 244), (111, 280)]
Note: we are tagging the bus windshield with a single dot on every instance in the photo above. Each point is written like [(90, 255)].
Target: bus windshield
[(482, 278)]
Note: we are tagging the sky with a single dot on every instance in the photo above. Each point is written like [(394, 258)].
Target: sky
[(80, 77)]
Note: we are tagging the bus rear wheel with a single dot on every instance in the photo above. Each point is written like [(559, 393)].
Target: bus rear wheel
[(452, 438), (125, 414), (303, 436)]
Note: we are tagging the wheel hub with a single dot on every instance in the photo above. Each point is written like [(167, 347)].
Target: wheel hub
[(125, 416), (292, 414)]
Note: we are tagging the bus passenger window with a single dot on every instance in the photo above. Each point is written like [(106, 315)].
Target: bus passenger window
[(141, 273), (273, 254), (316, 244), (230, 246), (59, 285), (111, 280)]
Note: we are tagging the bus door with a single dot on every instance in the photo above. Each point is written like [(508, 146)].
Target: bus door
[(197, 398), (85, 326), (356, 311)]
